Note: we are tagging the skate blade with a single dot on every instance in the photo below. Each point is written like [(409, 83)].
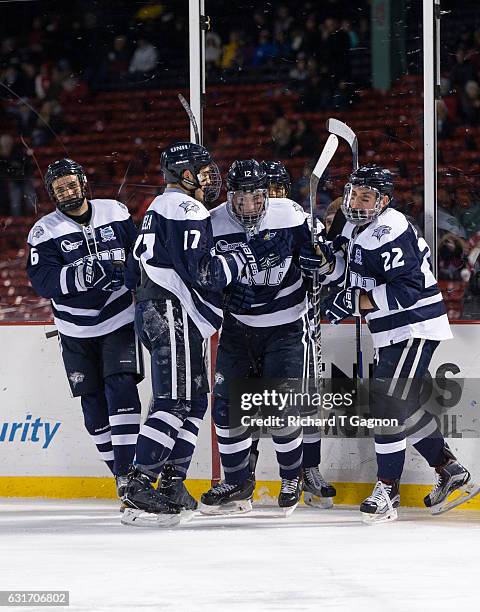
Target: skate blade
[(139, 518), (376, 519), (316, 501), (241, 506), (464, 494), (286, 512)]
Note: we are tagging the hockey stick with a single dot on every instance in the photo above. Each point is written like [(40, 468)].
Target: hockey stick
[(191, 116), (342, 130), (325, 158)]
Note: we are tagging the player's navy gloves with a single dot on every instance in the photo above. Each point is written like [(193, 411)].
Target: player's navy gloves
[(344, 304), (238, 298), (312, 261), (265, 251), (100, 274)]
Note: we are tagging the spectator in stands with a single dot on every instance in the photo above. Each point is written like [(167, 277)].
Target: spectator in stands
[(414, 209), (15, 177), (470, 103), (307, 38), (150, 11), (118, 59), (452, 260), (446, 219), (284, 48), (304, 142), (301, 190), (43, 81), (335, 50), (462, 71), (213, 51), (74, 91), (144, 60), (49, 122), (265, 51), (317, 93), (281, 138), (353, 38), (445, 127), (283, 20), (231, 55), (24, 115), (299, 73), (467, 210)]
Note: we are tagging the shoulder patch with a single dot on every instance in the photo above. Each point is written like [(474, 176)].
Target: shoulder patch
[(188, 206), (37, 232), (122, 206), (380, 231)]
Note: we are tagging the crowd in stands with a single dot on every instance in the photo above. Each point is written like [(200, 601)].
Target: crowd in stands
[(52, 59)]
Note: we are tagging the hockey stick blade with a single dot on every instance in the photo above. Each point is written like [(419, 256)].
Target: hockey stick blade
[(191, 116), (342, 130), (325, 158)]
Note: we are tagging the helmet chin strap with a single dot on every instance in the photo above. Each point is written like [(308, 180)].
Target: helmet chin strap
[(190, 185)]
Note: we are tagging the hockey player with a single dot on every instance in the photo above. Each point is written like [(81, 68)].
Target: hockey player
[(179, 299), (387, 277), (317, 491), (77, 255), (271, 338)]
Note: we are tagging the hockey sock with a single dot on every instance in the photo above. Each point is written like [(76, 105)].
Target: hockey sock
[(311, 448), (158, 434), (390, 451), (95, 415), (124, 415), (423, 433), (184, 447), (289, 450)]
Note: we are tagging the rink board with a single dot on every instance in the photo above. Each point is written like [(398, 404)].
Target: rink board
[(45, 450)]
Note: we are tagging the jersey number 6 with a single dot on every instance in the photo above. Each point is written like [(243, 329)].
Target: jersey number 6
[(34, 257)]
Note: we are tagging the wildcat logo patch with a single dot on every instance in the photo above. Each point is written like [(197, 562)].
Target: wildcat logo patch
[(188, 206), (381, 231)]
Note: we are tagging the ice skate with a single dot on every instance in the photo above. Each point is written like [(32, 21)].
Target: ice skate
[(121, 483), (452, 478), (381, 506), (317, 492), (145, 506), (173, 487), (290, 493), (225, 498)]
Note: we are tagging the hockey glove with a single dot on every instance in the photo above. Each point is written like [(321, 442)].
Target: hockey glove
[(344, 304), (100, 274), (270, 249), (321, 260), (238, 298)]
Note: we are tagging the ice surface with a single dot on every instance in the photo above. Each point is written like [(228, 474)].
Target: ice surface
[(314, 560)]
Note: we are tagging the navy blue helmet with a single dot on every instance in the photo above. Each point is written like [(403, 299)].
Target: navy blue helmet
[(379, 183), (66, 167), (277, 177), (247, 195), (183, 156)]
